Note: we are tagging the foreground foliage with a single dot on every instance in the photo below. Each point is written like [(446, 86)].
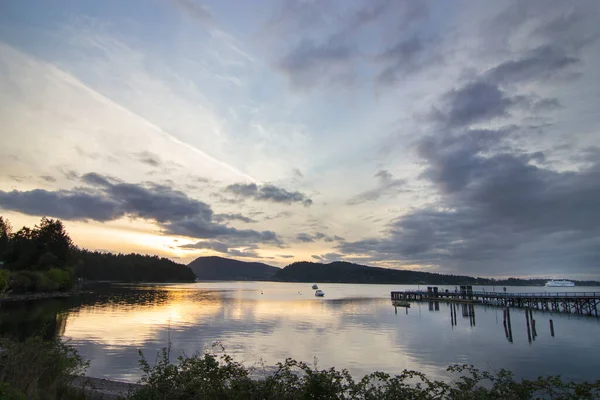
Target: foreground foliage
[(38, 369), (213, 376)]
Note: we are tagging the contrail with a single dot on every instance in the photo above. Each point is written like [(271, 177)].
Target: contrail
[(71, 79)]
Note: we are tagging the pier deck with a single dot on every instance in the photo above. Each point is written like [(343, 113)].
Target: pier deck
[(585, 303)]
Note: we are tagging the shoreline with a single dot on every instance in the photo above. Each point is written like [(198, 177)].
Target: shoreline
[(105, 389), (39, 296)]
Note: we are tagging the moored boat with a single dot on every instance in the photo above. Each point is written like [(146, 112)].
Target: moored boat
[(315, 287), (319, 293)]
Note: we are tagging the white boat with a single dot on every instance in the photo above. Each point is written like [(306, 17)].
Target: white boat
[(315, 287), (562, 283), (319, 293)]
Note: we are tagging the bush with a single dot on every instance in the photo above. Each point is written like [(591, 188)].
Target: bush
[(35, 369), (209, 376), (4, 279), (62, 278), (23, 281)]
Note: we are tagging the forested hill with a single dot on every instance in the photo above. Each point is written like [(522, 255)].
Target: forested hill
[(345, 272), (129, 268), (219, 269)]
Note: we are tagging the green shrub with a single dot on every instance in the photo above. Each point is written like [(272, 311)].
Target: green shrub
[(23, 281), (4, 279), (209, 376), (62, 278), (36, 369)]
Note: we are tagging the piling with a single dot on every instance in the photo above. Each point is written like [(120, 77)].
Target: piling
[(454, 314), (533, 330), (510, 335), (528, 327), (552, 328)]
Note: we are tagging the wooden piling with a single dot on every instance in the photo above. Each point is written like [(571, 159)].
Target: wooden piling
[(552, 328), (528, 327), (510, 335)]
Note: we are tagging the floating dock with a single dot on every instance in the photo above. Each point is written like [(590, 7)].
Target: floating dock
[(584, 303)]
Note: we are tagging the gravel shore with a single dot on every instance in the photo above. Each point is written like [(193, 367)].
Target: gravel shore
[(97, 388)]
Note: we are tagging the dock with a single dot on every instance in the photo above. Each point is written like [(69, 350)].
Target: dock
[(583, 303)]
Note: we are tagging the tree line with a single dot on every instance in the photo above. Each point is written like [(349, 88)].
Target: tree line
[(45, 259)]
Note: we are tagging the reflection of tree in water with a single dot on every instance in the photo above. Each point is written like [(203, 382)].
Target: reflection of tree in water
[(41, 318), (48, 318)]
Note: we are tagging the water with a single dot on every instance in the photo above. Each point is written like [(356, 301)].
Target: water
[(353, 327)]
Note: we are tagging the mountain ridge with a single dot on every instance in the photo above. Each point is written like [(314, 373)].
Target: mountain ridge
[(221, 268), (214, 268)]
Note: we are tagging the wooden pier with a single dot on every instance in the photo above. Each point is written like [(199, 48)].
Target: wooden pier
[(584, 303)]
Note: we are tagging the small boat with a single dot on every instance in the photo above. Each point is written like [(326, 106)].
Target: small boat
[(563, 283), (319, 293), (315, 287)]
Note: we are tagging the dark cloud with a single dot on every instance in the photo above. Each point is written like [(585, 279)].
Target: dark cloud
[(268, 192), (233, 217), (406, 57), (108, 199), (474, 102), (542, 63), (227, 248), (308, 64), (307, 238), (285, 255), (387, 186), (498, 211), (70, 205)]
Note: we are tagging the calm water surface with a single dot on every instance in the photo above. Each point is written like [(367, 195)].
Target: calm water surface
[(353, 327)]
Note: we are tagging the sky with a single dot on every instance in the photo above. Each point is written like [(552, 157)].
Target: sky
[(456, 137)]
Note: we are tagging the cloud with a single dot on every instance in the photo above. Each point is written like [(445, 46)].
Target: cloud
[(406, 57), (269, 193), (195, 10), (328, 257), (497, 210), (233, 217), (282, 214), (229, 248), (307, 238), (108, 199), (544, 62), (477, 101), (285, 255), (48, 178), (386, 187), (308, 64), (148, 158)]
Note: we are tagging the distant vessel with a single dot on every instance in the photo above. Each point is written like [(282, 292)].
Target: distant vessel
[(563, 283), (319, 293), (315, 286)]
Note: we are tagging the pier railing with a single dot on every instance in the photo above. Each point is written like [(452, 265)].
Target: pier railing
[(572, 302), (507, 294)]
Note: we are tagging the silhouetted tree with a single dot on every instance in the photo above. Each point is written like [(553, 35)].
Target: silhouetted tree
[(5, 232)]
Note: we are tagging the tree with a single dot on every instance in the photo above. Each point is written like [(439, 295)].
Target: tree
[(51, 237), (5, 232)]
